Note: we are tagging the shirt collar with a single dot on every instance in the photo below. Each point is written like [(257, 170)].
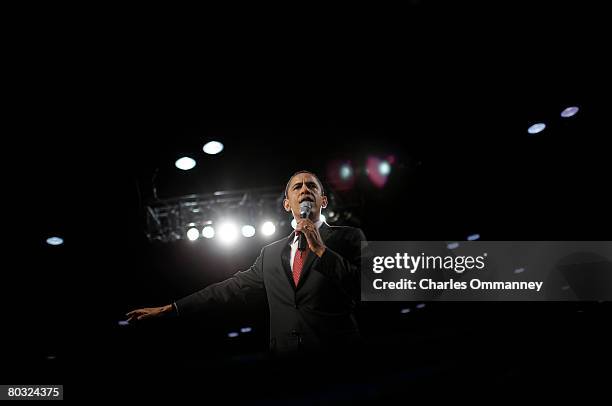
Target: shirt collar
[(318, 224)]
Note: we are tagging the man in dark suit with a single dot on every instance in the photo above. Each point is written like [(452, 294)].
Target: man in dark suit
[(311, 292)]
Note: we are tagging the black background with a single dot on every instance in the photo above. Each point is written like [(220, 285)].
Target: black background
[(100, 107)]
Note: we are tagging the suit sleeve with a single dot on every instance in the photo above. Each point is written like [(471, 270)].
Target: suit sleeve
[(237, 288), (345, 268)]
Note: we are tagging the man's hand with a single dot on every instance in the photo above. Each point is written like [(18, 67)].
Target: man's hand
[(310, 230), (148, 312)]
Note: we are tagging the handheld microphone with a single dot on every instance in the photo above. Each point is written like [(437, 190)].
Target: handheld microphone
[(305, 208)]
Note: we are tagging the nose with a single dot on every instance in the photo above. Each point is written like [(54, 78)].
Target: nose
[(307, 191), (304, 189)]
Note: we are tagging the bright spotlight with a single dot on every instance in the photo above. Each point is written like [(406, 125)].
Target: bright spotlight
[(55, 241), (208, 232), (384, 168), (213, 147), (248, 231), (228, 233), (185, 163), (570, 111), (378, 170), (268, 228), (536, 128), (193, 234), (346, 172)]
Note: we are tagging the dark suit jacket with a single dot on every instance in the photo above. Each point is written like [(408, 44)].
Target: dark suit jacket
[(318, 312)]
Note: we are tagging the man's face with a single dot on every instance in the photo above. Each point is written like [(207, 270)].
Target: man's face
[(304, 186)]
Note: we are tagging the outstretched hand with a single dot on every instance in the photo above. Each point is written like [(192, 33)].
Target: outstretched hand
[(148, 312)]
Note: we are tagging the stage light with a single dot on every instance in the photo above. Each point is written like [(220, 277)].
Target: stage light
[(185, 163), (420, 305), (519, 270), (378, 170), (346, 171), (233, 334), (245, 330), (384, 168), (569, 112), (228, 233), (55, 241), (208, 232), (473, 237), (193, 234), (452, 245), (268, 228), (404, 311), (213, 147), (248, 231), (124, 323), (536, 128), (340, 174), (169, 219)]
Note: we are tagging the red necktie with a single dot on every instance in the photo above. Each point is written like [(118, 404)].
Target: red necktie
[(298, 264)]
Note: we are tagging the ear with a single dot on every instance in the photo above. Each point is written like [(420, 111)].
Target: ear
[(323, 201), (286, 205)]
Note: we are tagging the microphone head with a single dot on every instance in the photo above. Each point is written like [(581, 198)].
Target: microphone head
[(305, 208)]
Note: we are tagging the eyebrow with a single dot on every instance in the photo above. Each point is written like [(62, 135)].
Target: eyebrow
[(309, 183)]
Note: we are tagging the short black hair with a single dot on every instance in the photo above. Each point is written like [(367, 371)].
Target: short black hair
[(304, 171)]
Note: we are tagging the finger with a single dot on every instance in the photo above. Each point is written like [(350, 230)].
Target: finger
[(136, 312), (309, 234), (305, 222), (145, 315)]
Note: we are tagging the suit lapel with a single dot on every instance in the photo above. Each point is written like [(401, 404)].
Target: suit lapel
[(325, 231), (286, 260)]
